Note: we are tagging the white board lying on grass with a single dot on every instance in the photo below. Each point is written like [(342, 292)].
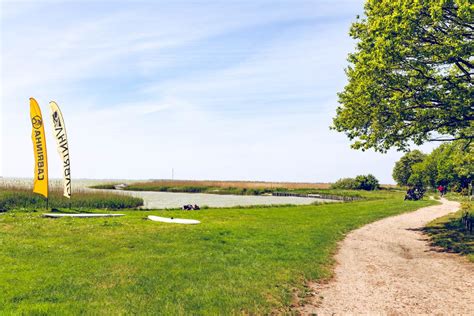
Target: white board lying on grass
[(81, 215), (173, 220)]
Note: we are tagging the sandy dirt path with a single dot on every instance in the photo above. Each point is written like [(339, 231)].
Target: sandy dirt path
[(387, 267)]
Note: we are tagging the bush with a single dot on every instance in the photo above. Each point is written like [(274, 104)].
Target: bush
[(368, 182), (361, 182), (345, 183), (466, 207)]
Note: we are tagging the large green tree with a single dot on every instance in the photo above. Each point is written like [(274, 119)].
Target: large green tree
[(403, 168), (410, 77)]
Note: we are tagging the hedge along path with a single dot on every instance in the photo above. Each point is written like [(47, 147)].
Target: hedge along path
[(388, 267)]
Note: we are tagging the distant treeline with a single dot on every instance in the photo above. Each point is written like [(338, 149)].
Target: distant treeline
[(450, 165)]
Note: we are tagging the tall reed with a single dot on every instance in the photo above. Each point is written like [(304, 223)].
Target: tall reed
[(14, 197)]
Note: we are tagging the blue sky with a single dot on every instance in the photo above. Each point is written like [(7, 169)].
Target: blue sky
[(241, 90)]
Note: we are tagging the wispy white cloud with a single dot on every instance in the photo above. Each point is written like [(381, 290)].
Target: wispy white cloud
[(127, 109), (304, 68)]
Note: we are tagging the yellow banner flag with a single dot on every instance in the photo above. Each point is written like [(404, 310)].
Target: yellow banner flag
[(39, 149)]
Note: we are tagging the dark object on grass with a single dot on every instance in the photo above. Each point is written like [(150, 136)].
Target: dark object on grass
[(190, 207), (2, 210), (55, 210), (414, 194)]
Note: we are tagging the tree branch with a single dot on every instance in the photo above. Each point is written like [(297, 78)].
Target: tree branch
[(449, 139), (465, 62), (463, 70)]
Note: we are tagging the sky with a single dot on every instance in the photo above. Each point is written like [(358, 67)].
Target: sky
[(221, 90)]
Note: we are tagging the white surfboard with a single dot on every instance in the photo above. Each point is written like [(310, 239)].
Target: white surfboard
[(173, 220), (53, 215)]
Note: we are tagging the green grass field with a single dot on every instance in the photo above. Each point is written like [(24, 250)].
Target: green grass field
[(453, 196), (237, 261)]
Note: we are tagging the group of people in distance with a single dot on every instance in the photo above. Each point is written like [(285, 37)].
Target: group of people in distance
[(190, 207), (417, 192)]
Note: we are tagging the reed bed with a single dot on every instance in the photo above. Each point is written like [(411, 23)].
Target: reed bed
[(22, 197), (216, 187), (235, 184)]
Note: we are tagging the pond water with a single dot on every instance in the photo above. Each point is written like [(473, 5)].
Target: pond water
[(160, 200), (173, 200)]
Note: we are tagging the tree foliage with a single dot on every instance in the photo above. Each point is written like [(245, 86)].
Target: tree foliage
[(403, 168), (410, 77), (451, 164)]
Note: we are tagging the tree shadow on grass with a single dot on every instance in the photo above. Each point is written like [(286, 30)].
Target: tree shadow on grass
[(451, 236)]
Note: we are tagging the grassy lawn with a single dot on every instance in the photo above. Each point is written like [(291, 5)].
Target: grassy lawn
[(237, 261), (453, 196)]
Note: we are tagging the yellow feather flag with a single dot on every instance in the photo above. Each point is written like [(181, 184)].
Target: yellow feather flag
[(39, 148)]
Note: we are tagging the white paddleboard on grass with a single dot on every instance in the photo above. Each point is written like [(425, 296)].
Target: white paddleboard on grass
[(53, 215), (173, 220)]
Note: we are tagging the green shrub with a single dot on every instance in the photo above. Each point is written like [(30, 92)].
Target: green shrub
[(368, 183), (361, 182), (345, 183), (467, 207)]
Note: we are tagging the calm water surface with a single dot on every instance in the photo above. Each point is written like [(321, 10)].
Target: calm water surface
[(159, 200)]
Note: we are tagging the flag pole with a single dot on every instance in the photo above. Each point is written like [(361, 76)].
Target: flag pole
[(47, 197)]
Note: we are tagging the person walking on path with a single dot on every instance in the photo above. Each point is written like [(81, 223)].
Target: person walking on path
[(441, 190)]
